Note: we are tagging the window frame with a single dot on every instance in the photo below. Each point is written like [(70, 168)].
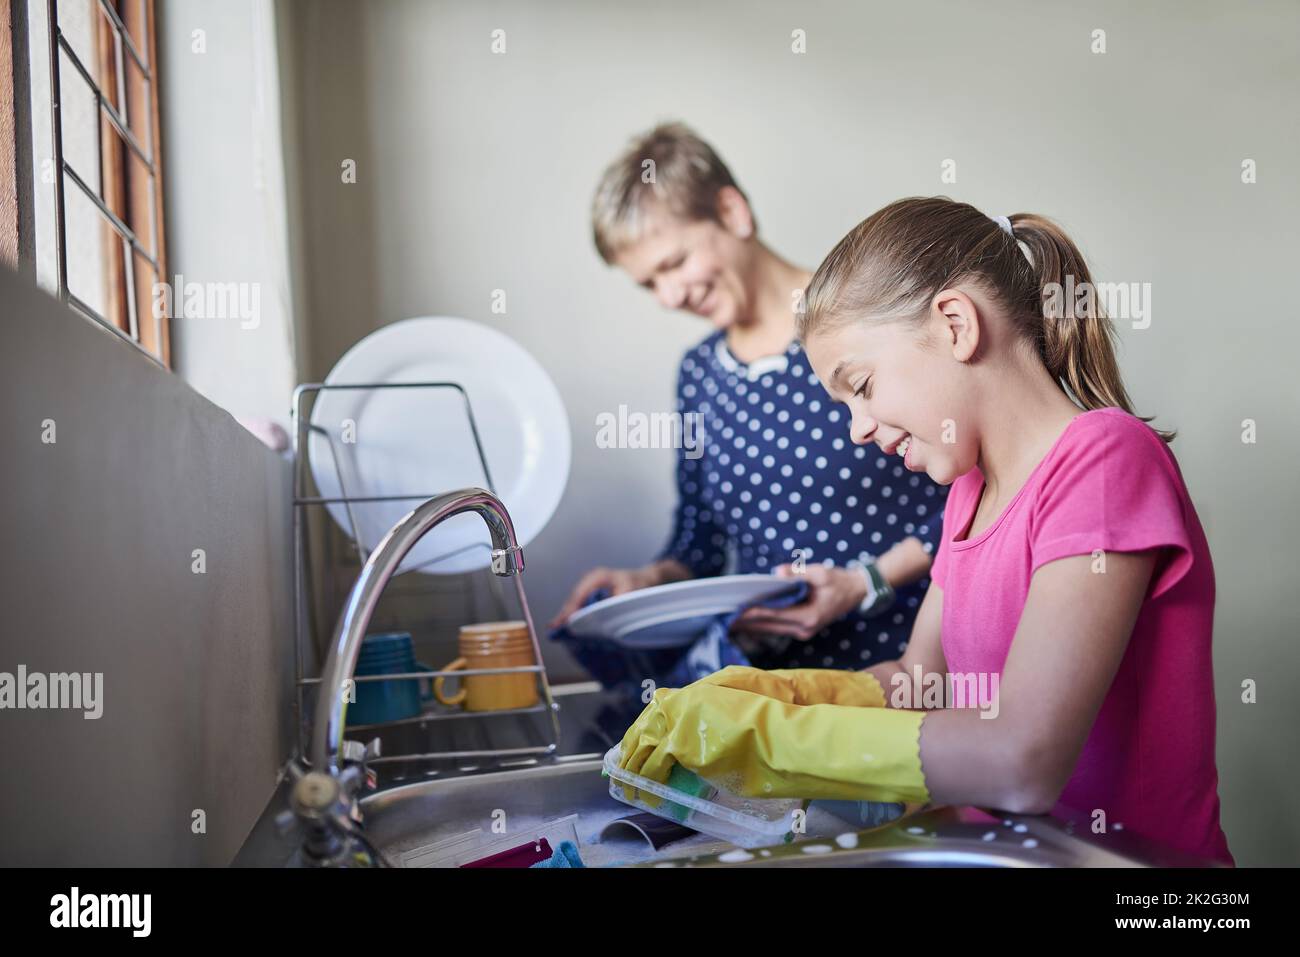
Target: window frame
[(130, 191)]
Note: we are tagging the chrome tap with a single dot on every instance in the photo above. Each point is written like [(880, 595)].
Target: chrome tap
[(324, 795), (507, 560)]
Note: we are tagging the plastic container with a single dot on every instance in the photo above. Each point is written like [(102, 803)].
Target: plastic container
[(745, 822)]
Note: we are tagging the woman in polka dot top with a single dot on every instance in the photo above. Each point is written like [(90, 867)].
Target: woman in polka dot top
[(776, 486), (779, 483)]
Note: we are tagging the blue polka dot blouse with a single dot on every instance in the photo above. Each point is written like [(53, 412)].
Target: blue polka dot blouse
[(778, 475)]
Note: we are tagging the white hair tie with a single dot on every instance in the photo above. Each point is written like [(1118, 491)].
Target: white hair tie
[(1005, 223)]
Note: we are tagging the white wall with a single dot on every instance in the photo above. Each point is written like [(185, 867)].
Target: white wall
[(476, 173), (224, 184)]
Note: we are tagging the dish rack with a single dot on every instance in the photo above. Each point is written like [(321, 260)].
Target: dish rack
[(301, 425)]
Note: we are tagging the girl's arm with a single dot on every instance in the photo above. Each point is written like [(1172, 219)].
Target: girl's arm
[(1068, 646), (924, 649)]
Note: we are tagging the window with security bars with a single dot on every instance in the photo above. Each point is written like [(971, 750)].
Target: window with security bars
[(107, 166)]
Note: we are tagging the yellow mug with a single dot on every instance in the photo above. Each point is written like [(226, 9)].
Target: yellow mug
[(494, 644)]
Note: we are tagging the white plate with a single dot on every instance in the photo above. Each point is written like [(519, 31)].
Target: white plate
[(418, 441), (668, 616)]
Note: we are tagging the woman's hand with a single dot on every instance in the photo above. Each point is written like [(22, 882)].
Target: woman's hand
[(618, 581), (833, 593)]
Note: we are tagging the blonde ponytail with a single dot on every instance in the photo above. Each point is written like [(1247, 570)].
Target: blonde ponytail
[(1077, 346)]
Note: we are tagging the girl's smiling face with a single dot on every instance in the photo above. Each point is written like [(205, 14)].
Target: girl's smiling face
[(907, 390)]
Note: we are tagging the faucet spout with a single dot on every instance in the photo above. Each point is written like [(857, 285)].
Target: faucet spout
[(507, 560)]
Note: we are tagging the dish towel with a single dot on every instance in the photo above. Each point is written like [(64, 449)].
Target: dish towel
[(566, 856), (623, 670)]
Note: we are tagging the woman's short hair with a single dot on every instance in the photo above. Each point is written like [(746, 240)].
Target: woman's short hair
[(669, 166)]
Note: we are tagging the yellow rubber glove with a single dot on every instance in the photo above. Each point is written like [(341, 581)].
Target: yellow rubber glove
[(762, 747), (803, 685)]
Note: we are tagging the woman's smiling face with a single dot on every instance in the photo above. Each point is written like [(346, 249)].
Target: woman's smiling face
[(905, 390), (702, 267)]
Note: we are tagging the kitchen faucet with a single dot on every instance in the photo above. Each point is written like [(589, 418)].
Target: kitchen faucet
[(322, 799)]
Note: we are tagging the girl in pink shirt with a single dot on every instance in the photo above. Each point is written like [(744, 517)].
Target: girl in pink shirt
[(1073, 580)]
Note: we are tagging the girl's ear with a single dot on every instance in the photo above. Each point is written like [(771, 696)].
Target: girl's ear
[(734, 213), (960, 323)]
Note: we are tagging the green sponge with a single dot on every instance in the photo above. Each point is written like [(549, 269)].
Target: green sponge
[(687, 782)]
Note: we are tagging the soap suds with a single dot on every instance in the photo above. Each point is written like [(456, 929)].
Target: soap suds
[(735, 857)]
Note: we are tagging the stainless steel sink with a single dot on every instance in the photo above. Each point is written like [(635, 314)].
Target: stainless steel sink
[(413, 816), (416, 815)]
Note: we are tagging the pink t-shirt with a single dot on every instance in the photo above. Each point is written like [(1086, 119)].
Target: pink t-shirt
[(1108, 483)]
